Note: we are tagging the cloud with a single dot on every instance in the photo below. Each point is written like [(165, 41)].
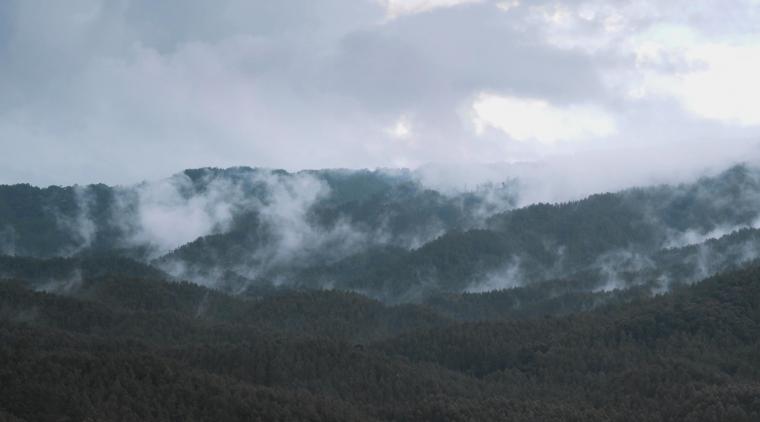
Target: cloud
[(527, 119), (508, 276), (80, 224), (8, 241), (402, 129), (720, 85), (168, 213), (396, 8), (337, 83)]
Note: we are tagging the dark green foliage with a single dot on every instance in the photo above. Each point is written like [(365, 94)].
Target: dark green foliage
[(385, 212), (57, 271), (28, 218), (634, 237), (409, 242), (129, 349), (605, 317), (555, 298), (73, 378)]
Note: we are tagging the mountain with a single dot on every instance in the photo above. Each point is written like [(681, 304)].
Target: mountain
[(383, 233), (255, 294), (598, 237), (249, 218)]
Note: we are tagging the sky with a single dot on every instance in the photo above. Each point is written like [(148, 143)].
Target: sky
[(119, 91)]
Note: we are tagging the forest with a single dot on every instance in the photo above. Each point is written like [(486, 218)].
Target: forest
[(358, 295)]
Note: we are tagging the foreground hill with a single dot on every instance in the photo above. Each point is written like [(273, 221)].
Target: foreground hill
[(129, 349)]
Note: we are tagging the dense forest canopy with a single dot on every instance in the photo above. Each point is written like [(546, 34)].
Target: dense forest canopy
[(252, 294)]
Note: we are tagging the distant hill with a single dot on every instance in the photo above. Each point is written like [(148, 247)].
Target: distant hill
[(602, 237), (383, 233)]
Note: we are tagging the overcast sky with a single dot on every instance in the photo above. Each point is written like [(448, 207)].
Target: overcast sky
[(119, 91)]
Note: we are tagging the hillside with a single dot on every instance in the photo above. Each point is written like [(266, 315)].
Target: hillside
[(251, 294), (135, 349), (385, 234)]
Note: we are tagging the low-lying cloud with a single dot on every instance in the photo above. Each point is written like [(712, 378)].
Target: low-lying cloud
[(168, 213)]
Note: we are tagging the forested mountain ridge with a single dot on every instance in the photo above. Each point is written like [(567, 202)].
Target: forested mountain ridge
[(249, 219), (381, 233), (601, 237)]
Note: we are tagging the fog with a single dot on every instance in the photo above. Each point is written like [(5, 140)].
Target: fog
[(573, 176), (8, 241), (167, 213)]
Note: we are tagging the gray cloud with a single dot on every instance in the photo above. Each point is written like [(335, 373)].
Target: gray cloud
[(126, 90)]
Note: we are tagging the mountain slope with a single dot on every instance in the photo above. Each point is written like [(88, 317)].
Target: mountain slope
[(383, 233), (591, 237), (150, 350)]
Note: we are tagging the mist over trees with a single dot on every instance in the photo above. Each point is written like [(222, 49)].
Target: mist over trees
[(383, 233)]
